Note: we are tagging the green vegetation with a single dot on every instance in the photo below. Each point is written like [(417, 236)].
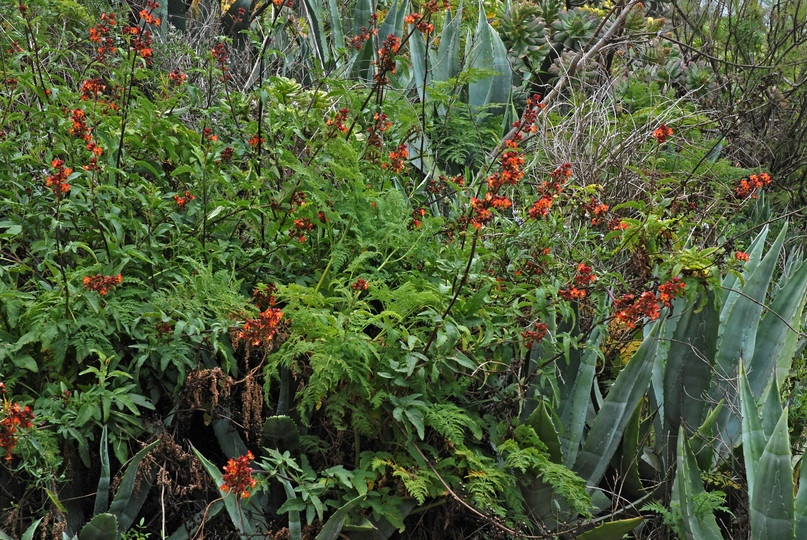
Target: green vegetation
[(406, 270)]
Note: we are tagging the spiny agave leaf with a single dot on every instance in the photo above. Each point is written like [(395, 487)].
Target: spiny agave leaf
[(573, 412), (101, 527), (753, 436), (230, 500), (447, 63), (102, 493), (738, 340), (489, 53), (295, 525), (776, 341), (361, 15), (801, 503), (337, 35), (701, 442), (613, 530), (687, 372), (693, 521), (731, 281), (544, 427), (417, 54), (394, 21), (771, 409), (628, 389), (128, 501), (319, 39), (772, 505), (332, 527)]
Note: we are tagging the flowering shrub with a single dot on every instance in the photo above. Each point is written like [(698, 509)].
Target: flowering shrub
[(13, 419), (238, 476)]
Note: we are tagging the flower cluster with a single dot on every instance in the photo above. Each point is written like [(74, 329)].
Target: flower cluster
[(583, 279), (301, 226), (57, 182), (281, 3), (360, 285), (481, 208), (79, 127), (743, 257), (416, 19), (262, 329), (397, 159), (238, 476), (339, 120), (256, 141), (750, 186), (221, 57), (12, 419), (141, 38), (417, 217), (549, 190), (375, 136), (102, 284), (661, 133), (358, 40), (182, 201), (163, 328), (595, 210), (99, 35), (532, 337), (177, 78), (386, 58), (95, 90), (630, 308)]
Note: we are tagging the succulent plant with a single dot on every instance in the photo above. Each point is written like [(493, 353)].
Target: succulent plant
[(524, 33), (573, 28)]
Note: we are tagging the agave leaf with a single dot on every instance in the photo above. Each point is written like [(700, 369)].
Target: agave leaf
[(738, 341), (541, 421), (772, 505), (771, 409), (687, 372), (753, 436), (101, 527), (573, 412), (801, 504), (337, 35), (701, 442), (732, 281), (295, 525), (693, 521), (613, 530), (417, 54), (362, 64), (776, 341), (489, 53), (318, 36), (394, 21), (332, 527), (447, 63), (230, 501), (102, 493), (128, 502), (628, 389), (631, 447)]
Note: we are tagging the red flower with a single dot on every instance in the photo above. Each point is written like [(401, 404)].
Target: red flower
[(662, 133), (238, 476), (262, 329), (182, 201), (360, 285), (101, 283), (740, 256), (12, 419)]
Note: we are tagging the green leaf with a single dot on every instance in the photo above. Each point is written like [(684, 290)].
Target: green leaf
[(101, 527), (544, 427), (628, 389), (693, 521), (489, 53), (447, 64), (128, 501), (613, 530), (801, 503), (738, 341), (29, 532), (102, 493), (575, 407), (332, 527), (772, 505), (753, 436)]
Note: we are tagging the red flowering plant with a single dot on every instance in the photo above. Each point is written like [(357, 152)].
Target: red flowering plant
[(237, 476), (14, 420)]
